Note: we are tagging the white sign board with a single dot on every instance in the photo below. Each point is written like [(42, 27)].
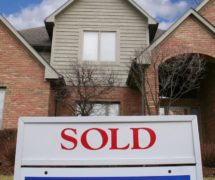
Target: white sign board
[(45, 143)]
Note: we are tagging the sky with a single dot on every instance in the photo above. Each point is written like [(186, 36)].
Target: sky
[(23, 14)]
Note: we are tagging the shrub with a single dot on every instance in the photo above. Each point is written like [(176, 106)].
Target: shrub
[(208, 155), (7, 151)]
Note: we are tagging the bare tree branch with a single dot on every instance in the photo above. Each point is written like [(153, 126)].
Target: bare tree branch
[(172, 77), (85, 85)]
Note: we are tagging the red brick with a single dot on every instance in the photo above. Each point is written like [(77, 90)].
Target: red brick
[(27, 93)]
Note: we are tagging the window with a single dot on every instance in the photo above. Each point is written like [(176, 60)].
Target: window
[(99, 46), (179, 110), (2, 97), (104, 109)]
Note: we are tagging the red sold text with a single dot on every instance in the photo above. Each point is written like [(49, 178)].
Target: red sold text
[(108, 137)]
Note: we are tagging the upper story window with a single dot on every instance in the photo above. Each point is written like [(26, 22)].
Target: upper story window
[(2, 97), (99, 46)]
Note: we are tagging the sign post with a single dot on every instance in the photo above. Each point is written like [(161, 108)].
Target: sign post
[(108, 148)]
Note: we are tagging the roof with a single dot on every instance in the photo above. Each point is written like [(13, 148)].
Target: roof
[(159, 33), (50, 73), (201, 19), (51, 18), (36, 36)]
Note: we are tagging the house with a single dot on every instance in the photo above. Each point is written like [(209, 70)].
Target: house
[(106, 34)]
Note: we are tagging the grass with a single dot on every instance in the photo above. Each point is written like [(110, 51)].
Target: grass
[(6, 177)]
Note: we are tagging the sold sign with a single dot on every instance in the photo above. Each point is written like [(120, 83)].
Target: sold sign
[(109, 136)]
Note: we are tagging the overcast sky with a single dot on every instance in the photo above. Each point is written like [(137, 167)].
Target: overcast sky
[(31, 13)]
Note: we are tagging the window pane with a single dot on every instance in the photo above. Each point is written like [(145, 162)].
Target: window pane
[(161, 111), (113, 110), (108, 46), (90, 46), (105, 109), (99, 110), (2, 95), (179, 110)]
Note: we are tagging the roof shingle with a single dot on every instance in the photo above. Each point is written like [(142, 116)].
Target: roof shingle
[(36, 36)]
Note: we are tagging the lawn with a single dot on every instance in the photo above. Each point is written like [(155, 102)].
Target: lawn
[(6, 178)]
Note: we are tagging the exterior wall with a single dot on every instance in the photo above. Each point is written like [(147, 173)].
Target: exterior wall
[(208, 11), (129, 100), (27, 93), (190, 37), (52, 102), (115, 15)]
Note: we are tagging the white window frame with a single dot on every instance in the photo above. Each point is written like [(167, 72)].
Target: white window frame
[(107, 108), (99, 42), (3, 105)]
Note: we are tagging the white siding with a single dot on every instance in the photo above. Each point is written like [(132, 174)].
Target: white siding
[(104, 15)]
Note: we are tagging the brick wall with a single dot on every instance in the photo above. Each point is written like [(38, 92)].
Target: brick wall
[(27, 93), (190, 37), (130, 102)]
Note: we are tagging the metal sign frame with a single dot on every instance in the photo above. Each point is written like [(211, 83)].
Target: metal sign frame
[(26, 168), (109, 173)]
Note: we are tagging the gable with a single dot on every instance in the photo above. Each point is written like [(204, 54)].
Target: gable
[(51, 18), (204, 23), (100, 13), (138, 10), (50, 73), (190, 37)]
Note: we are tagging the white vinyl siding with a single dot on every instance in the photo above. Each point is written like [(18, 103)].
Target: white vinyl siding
[(2, 97), (118, 16)]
